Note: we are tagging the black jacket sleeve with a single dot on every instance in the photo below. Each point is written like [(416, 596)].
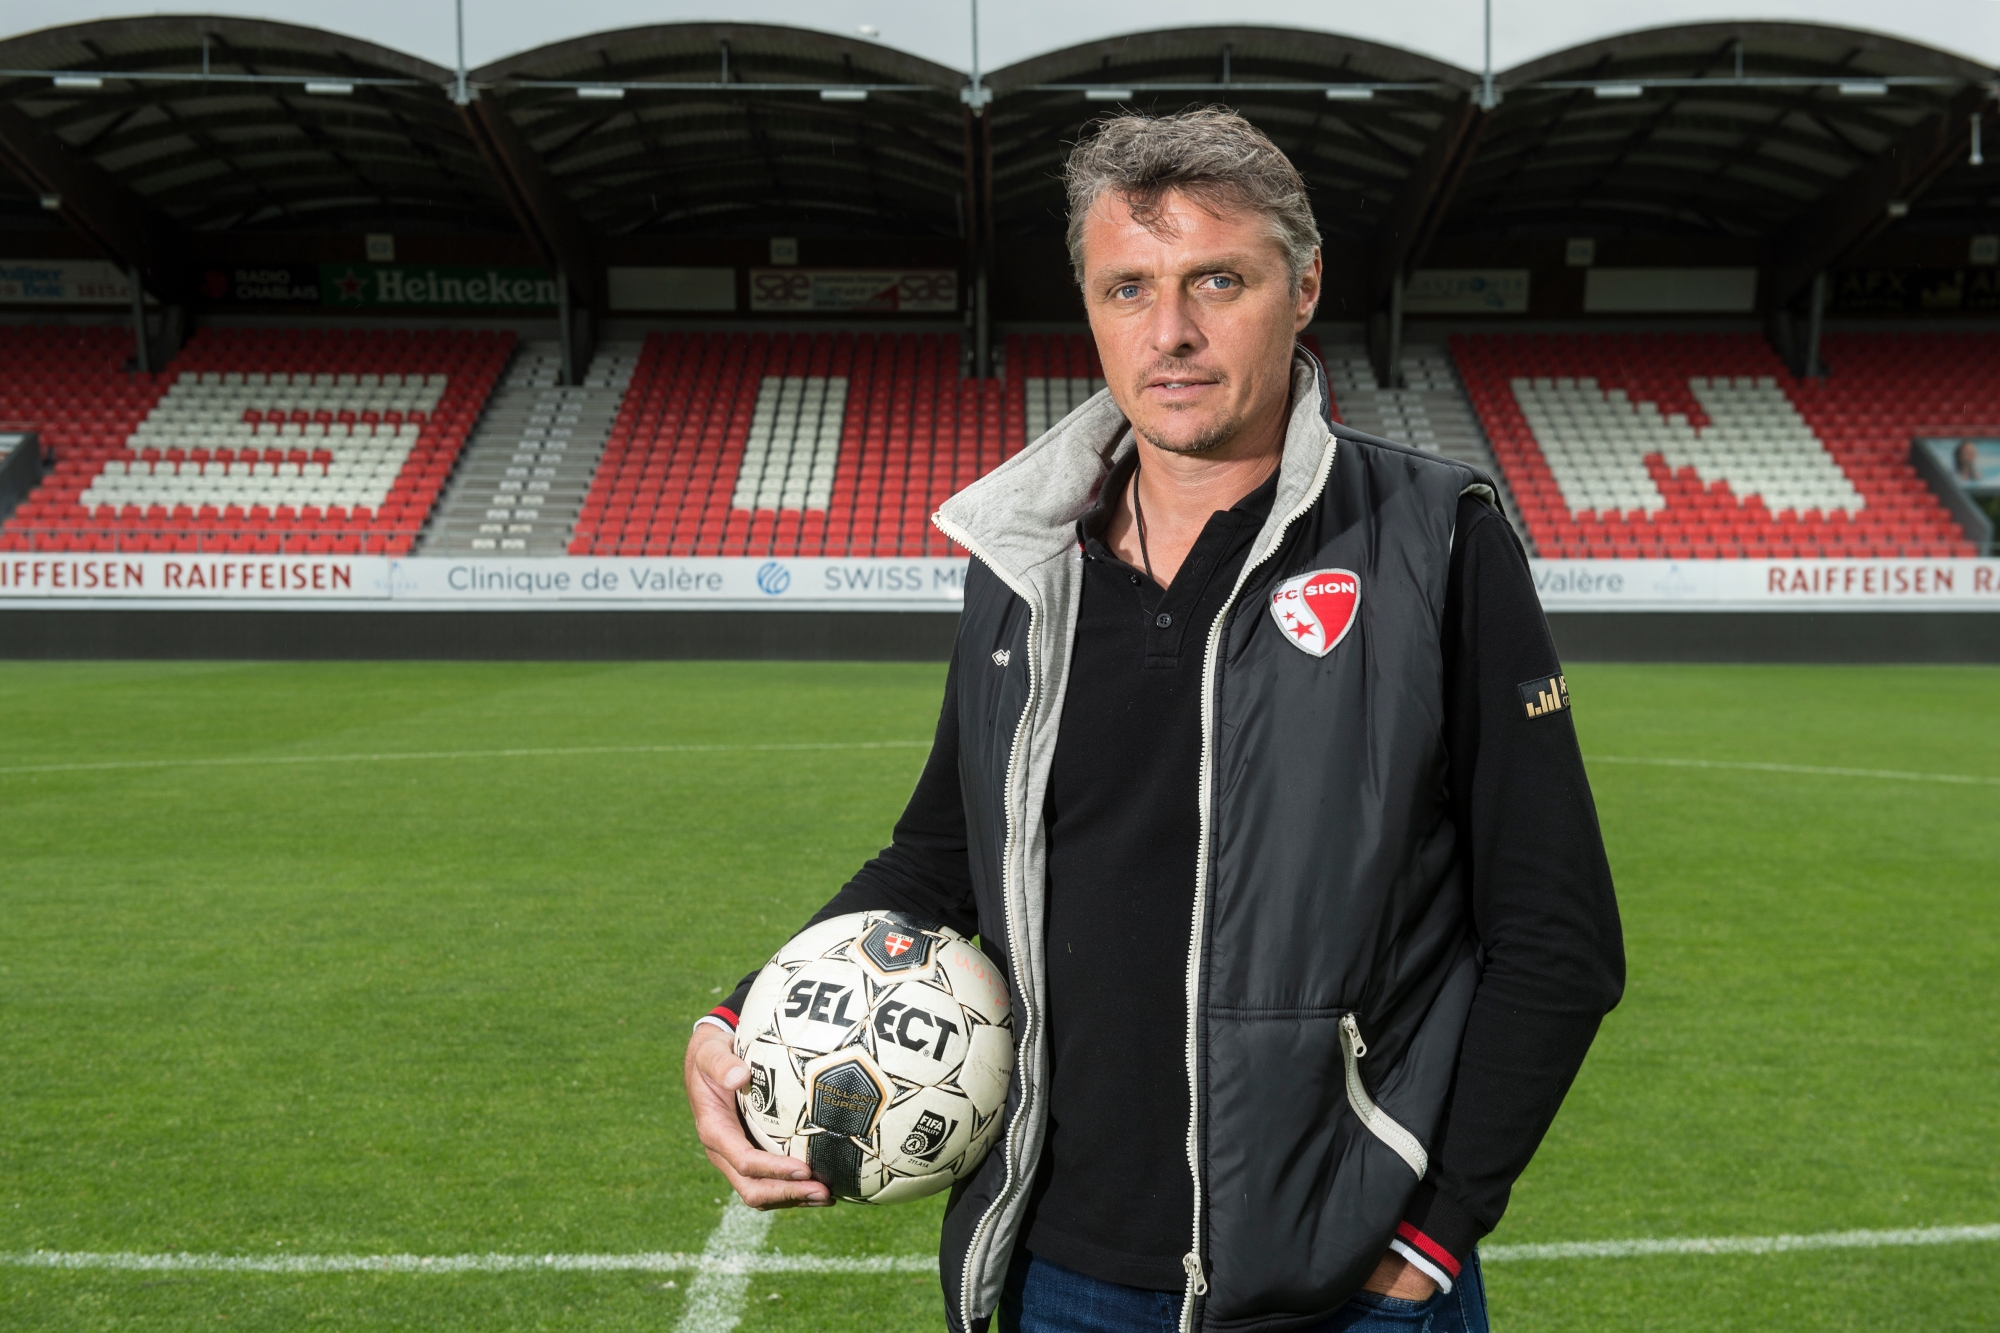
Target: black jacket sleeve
[(1553, 961), (923, 870)]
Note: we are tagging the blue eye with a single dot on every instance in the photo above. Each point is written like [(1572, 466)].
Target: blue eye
[(1222, 282), (1126, 292)]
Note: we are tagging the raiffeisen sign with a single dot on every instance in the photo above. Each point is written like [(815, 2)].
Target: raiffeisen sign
[(772, 583)]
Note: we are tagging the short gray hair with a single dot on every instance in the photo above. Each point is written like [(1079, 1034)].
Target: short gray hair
[(1208, 153)]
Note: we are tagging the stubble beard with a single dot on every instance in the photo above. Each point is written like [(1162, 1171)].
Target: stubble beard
[(1208, 441)]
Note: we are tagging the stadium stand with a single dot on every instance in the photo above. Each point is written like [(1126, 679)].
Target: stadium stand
[(268, 442), (70, 385), (1705, 446), (528, 466), (1884, 388), (792, 444)]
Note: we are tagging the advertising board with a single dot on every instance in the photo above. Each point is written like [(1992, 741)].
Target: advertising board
[(854, 291), (63, 282), (916, 584)]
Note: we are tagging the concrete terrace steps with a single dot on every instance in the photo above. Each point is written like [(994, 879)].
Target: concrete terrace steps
[(528, 465), (1433, 413)]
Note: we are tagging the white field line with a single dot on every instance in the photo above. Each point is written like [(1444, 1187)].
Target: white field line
[(742, 1262), (392, 756), (1812, 770), (1817, 1240), (715, 1301), (661, 1262)]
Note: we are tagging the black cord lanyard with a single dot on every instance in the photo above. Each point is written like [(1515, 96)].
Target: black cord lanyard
[(1139, 513)]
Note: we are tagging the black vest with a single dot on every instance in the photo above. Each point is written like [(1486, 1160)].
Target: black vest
[(1330, 890)]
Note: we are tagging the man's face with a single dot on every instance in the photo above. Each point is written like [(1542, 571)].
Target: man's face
[(1194, 318)]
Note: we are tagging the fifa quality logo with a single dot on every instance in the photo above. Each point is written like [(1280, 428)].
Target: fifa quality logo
[(759, 1094), (926, 1138)]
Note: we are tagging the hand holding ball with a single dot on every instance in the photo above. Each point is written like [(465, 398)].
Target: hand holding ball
[(879, 1048)]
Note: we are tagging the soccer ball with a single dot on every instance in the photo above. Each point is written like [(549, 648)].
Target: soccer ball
[(879, 1049)]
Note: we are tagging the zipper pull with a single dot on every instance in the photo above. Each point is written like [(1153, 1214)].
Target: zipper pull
[(1192, 1263), (1353, 1031)]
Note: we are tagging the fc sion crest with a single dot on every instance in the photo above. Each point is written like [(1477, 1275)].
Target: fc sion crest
[(1316, 610)]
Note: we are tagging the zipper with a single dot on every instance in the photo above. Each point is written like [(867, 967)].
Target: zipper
[(981, 1230), (1377, 1121), (1191, 1263)]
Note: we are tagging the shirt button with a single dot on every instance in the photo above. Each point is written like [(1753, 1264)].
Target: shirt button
[(1163, 620), (1135, 580)]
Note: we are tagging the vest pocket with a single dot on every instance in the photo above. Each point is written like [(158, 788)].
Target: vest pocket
[(1377, 1121)]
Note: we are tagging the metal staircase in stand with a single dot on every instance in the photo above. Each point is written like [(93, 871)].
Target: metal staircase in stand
[(1432, 413), (529, 462)]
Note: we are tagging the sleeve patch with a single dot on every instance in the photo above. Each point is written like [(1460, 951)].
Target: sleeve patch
[(1541, 697)]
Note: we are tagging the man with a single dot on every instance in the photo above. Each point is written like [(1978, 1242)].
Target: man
[(1256, 774)]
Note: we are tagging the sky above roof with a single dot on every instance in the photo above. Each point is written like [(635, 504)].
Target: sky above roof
[(1012, 30)]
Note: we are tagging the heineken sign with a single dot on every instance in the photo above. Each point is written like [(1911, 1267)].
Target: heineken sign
[(443, 285)]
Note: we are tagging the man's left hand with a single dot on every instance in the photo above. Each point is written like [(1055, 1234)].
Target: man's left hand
[(1398, 1277)]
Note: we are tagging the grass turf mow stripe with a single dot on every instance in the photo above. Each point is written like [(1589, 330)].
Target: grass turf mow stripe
[(111, 765), (720, 1259)]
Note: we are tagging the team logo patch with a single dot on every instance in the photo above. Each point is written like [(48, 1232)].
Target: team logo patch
[(894, 947), (1548, 695), (1316, 610)]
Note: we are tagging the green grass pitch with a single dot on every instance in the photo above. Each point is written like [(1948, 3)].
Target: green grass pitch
[(437, 1005)]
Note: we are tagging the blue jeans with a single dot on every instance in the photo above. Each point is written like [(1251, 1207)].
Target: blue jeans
[(1042, 1297)]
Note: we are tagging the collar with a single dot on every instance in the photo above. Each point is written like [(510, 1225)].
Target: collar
[(1090, 529), (1024, 513)]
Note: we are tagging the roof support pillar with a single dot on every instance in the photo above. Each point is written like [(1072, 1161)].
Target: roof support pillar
[(1418, 209), (1859, 208), (97, 204), (1413, 219), (142, 357), (551, 222), (1815, 325)]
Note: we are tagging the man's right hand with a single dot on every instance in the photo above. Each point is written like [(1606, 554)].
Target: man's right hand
[(763, 1179)]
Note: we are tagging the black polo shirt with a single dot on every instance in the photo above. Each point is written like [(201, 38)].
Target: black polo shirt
[(1113, 1196)]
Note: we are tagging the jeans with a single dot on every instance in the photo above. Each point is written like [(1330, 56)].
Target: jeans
[(1041, 1297)]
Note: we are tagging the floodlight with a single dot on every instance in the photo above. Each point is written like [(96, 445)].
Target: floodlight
[(322, 88), (1620, 90), (599, 93), (1349, 94), (1870, 89), (78, 82), (843, 94), (1107, 94)]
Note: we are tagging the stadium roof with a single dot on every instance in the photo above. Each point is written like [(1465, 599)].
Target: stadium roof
[(1807, 137), (746, 135), (1446, 30), (292, 128)]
